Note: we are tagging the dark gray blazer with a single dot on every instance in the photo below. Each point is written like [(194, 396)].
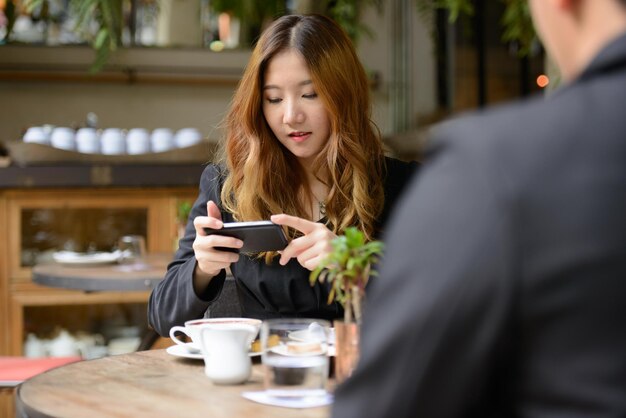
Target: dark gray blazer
[(503, 292)]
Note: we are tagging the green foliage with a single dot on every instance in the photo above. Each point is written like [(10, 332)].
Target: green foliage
[(184, 209), (250, 11), (518, 26), (455, 8), (11, 15), (347, 13), (108, 17), (348, 268), (516, 20)]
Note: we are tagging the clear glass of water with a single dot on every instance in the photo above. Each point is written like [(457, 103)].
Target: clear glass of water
[(295, 357), (132, 249)]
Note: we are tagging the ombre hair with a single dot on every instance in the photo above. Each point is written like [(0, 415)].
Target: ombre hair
[(263, 177)]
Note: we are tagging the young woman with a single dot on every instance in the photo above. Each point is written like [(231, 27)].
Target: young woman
[(301, 150)]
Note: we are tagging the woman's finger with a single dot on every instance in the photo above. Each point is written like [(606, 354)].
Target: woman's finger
[(302, 225)]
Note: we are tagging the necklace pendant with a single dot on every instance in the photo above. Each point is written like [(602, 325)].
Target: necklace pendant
[(322, 208)]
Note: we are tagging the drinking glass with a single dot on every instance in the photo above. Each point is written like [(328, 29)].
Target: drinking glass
[(132, 249), (295, 359)]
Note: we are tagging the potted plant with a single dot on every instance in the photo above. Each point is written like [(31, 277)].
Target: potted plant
[(183, 210), (347, 269)]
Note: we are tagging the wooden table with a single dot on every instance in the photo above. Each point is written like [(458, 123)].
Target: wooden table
[(108, 277), (144, 384), (105, 277)]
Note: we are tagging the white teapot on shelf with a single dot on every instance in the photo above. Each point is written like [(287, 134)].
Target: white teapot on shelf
[(64, 345)]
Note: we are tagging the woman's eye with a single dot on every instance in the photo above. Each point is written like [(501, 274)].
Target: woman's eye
[(310, 96), (273, 100)]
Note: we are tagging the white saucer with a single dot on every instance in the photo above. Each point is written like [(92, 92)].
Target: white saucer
[(85, 259), (182, 351)]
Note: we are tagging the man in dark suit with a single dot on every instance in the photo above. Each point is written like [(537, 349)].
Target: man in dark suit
[(503, 291)]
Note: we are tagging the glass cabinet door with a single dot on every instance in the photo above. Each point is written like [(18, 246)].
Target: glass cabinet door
[(83, 230), (83, 221)]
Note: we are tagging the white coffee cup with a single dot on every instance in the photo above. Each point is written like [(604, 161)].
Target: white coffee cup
[(63, 138), (138, 141), (87, 141), (192, 330), (187, 137), (37, 135), (112, 142), (162, 139)]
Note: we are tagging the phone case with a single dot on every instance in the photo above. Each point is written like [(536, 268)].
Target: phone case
[(257, 236)]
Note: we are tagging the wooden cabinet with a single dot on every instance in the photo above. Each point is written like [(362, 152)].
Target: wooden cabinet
[(35, 222)]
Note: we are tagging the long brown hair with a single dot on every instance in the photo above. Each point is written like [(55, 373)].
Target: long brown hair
[(263, 177)]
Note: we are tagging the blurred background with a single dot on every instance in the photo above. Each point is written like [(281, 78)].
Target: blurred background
[(110, 108), (175, 63)]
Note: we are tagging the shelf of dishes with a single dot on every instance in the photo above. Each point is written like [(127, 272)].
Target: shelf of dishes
[(112, 141), (57, 144), (86, 345)]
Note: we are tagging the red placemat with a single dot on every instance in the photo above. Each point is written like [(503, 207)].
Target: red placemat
[(14, 370)]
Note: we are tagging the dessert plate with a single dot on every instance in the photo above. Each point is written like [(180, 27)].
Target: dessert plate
[(307, 335)]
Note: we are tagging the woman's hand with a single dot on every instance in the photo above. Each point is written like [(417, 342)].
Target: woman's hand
[(211, 260), (311, 248)]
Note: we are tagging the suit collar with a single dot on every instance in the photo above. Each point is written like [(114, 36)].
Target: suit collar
[(610, 58)]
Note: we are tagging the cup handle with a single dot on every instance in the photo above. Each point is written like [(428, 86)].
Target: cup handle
[(175, 338)]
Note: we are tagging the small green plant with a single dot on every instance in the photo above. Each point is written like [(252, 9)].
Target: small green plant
[(184, 209), (348, 268), (108, 17), (516, 22)]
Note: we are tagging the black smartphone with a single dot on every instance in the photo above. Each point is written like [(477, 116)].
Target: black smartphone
[(257, 236)]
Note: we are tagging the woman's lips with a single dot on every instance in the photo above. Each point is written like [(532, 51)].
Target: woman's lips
[(299, 136)]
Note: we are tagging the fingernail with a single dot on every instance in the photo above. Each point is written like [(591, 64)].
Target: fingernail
[(239, 244)]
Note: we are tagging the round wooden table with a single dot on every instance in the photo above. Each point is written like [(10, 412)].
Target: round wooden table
[(144, 384), (104, 277), (108, 277)]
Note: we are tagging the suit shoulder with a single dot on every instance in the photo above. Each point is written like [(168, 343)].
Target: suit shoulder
[(399, 168)]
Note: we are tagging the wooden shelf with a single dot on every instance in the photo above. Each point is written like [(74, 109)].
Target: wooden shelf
[(30, 294), (127, 65), (21, 300)]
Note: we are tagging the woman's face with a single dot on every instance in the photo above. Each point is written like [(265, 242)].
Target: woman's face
[(292, 108)]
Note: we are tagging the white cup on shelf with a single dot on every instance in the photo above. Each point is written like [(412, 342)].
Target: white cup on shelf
[(112, 142), (137, 141), (37, 135), (87, 141), (162, 139), (34, 347), (63, 138), (187, 137)]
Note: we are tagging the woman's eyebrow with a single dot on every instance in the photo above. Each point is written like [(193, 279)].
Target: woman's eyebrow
[(273, 86)]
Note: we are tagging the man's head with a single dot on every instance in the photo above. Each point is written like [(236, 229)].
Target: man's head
[(573, 31)]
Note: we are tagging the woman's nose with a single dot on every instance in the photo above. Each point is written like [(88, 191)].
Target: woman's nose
[(293, 114)]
